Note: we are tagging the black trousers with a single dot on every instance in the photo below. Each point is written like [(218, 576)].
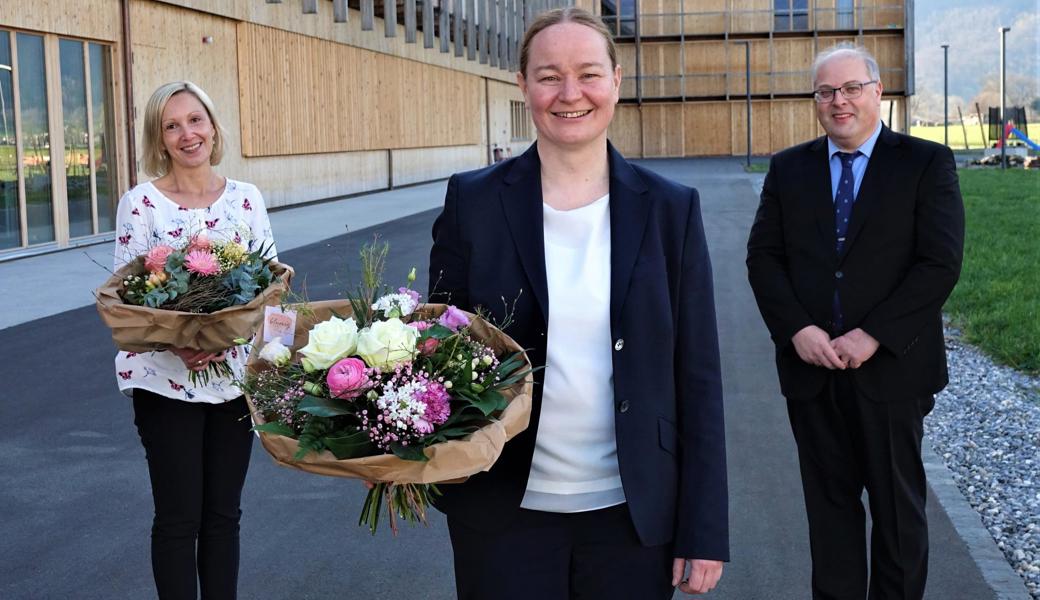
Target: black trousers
[(847, 442), (553, 556), (197, 455)]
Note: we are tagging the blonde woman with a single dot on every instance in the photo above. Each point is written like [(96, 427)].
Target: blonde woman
[(617, 490), (196, 442)]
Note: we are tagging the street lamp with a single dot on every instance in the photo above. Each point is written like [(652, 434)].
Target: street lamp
[(946, 95), (1003, 75)]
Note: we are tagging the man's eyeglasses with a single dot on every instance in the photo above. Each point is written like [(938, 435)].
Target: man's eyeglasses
[(850, 91)]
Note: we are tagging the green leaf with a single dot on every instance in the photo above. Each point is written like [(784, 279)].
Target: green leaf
[(413, 452), (324, 407), (276, 429), (489, 402), (351, 445), (438, 331)]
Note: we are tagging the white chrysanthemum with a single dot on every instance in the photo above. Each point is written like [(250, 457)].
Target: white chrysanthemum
[(396, 305)]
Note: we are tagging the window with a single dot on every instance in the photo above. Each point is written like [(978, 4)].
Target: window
[(790, 15), (56, 156), (619, 16), (845, 15), (519, 121)]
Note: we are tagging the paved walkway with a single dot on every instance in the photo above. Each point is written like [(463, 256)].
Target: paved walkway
[(74, 486)]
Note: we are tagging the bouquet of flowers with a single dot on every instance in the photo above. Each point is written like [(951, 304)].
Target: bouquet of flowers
[(202, 295), (402, 394)]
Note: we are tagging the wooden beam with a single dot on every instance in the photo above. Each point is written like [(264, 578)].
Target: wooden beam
[(310, 7), (471, 30), (390, 18), (427, 20)]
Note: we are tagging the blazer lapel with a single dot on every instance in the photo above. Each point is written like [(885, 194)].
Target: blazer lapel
[(818, 177), (521, 200), (629, 211), (883, 164)]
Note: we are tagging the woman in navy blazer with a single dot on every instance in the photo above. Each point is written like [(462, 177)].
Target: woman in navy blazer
[(603, 267)]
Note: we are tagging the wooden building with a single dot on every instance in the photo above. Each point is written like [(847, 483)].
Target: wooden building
[(321, 98), (685, 86)]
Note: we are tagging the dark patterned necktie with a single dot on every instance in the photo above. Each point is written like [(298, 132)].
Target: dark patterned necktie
[(843, 200)]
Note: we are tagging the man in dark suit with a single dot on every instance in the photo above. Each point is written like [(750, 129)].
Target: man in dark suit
[(856, 245)]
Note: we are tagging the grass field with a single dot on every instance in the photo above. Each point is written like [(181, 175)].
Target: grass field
[(997, 301)]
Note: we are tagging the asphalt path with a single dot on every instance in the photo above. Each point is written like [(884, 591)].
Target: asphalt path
[(75, 496)]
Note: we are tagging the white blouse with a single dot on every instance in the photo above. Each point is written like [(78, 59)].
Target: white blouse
[(146, 218), (575, 466)]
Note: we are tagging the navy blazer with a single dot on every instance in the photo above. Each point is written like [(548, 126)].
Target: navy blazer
[(900, 261), (488, 252)]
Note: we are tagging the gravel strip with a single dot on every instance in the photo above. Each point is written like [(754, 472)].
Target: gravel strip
[(986, 428)]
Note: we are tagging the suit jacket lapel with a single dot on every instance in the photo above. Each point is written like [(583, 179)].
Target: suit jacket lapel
[(818, 178), (629, 211), (521, 200), (881, 168)]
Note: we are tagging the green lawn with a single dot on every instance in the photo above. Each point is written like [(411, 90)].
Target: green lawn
[(997, 301)]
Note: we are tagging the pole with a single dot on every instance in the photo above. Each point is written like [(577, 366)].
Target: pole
[(946, 95), (1003, 101), (982, 130), (747, 93), (960, 115)]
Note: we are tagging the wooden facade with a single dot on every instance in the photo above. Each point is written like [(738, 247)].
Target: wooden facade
[(685, 79)]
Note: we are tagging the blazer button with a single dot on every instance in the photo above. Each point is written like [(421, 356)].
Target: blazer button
[(618, 345), (622, 406), (838, 274)]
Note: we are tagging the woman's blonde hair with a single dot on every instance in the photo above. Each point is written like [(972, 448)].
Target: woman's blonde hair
[(155, 161), (570, 14)]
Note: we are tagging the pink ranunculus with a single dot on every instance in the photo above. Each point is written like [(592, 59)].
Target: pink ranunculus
[(347, 378), (155, 260), (420, 325), (200, 241), (202, 262), (454, 319)]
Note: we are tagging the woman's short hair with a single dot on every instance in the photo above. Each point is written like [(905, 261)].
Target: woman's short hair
[(569, 14), (847, 50), (155, 161)]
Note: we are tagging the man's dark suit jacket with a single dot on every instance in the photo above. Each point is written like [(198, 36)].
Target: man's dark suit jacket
[(488, 252), (900, 261)]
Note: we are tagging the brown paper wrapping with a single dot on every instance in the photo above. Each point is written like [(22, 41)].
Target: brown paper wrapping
[(143, 329), (449, 462)]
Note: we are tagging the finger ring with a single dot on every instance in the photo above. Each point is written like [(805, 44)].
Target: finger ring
[(198, 362)]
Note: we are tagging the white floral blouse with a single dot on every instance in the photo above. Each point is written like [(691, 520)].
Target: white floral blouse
[(147, 218)]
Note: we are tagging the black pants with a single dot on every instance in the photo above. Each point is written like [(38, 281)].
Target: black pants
[(198, 455), (552, 556), (846, 443)]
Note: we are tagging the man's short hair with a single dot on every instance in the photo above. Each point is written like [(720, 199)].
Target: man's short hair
[(847, 49)]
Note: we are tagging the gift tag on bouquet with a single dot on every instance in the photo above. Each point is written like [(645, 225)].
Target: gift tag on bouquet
[(279, 325)]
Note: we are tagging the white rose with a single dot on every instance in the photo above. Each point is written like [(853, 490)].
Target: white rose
[(386, 343), (328, 342), (276, 353)]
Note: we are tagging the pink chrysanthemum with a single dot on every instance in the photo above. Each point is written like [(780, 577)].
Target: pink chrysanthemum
[(155, 260), (437, 400), (202, 263)]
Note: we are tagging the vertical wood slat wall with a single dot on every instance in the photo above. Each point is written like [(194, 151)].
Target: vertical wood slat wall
[(320, 96)]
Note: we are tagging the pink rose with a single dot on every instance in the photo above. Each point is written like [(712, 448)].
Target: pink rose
[(200, 242), (155, 260), (347, 378), (454, 319), (428, 346)]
